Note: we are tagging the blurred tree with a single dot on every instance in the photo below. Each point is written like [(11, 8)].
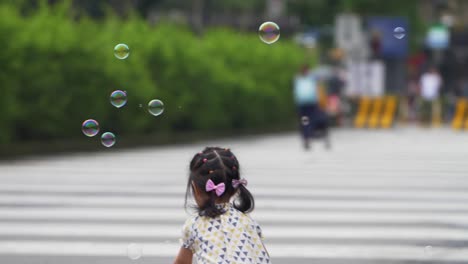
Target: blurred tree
[(238, 6), (317, 12)]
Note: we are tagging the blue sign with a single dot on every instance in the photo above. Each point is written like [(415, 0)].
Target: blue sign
[(392, 33)]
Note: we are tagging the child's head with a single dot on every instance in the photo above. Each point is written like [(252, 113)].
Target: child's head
[(215, 178)]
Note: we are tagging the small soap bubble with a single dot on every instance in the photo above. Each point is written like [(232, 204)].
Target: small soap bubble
[(269, 32), (121, 51), (108, 139), (399, 32), (134, 251), (428, 251), (305, 121), (140, 105), (155, 107), (90, 127), (118, 98)]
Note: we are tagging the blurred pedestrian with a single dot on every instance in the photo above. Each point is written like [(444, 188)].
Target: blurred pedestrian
[(222, 232), (412, 94), (335, 86), (306, 100), (430, 83)]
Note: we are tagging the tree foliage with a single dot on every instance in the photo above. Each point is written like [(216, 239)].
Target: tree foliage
[(57, 72)]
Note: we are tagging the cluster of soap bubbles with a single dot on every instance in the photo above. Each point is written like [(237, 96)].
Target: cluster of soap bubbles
[(90, 128), (269, 33), (118, 99)]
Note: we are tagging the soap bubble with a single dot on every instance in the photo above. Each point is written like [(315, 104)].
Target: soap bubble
[(118, 98), (134, 251), (399, 32), (108, 139), (155, 107), (269, 32), (428, 251), (90, 127), (121, 51)]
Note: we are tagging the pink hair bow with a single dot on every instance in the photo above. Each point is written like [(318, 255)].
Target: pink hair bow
[(236, 183), (210, 186)]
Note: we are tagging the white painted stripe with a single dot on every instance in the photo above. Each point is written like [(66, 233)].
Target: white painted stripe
[(156, 202), (272, 232), (300, 191), (110, 172), (387, 252), (277, 216), (105, 165), (329, 182), (89, 200), (378, 252), (90, 230)]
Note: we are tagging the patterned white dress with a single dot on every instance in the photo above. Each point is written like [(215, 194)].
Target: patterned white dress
[(231, 238)]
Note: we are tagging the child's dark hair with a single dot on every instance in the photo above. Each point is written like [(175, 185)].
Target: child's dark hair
[(220, 166)]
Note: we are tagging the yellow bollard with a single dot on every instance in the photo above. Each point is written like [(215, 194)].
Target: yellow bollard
[(459, 116), (363, 110), (466, 124), (376, 112), (389, 112)]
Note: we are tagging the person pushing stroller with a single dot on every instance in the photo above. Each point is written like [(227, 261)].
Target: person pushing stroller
[(313, 121)]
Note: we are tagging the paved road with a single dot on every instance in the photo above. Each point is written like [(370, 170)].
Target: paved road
[(377, 197)]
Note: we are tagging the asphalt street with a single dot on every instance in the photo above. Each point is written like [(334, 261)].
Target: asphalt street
[(387, 197)]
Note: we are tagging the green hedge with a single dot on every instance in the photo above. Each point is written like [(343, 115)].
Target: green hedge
[(57, 72)]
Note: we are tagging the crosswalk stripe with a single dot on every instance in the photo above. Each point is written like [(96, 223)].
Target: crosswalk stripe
[(270, 215), (109, 175), (299, 192), (156, 202), (148, 230), (388, 252)]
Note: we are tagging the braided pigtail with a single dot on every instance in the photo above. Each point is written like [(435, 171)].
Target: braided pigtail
[(244, 201)]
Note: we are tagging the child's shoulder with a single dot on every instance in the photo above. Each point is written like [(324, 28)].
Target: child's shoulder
[(245, 217), (191, 221)]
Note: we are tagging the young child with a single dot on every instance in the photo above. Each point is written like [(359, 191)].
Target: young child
[(222, 232)]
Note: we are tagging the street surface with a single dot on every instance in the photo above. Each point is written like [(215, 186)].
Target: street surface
[(387, 197)]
